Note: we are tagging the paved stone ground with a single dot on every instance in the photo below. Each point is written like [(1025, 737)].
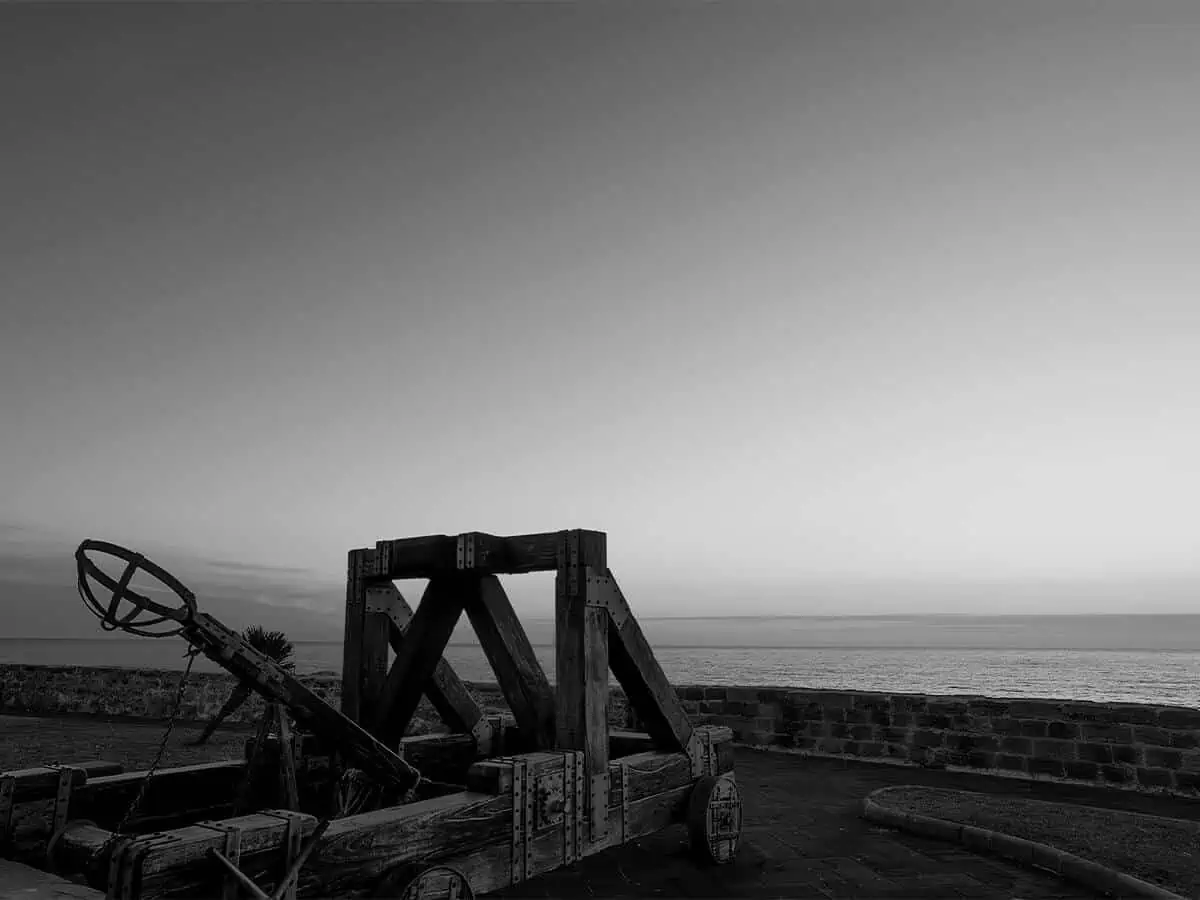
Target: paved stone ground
[(803, 837)]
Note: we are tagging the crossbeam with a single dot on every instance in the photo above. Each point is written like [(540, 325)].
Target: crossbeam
[(430, 555), (444, 689)]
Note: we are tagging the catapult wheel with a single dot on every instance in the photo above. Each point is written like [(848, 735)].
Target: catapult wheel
[(434, 883), (714, 819)]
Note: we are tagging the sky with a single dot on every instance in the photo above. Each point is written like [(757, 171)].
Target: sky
[(811, 307)]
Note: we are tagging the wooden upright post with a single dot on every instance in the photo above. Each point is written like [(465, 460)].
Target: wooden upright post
[(581, 667)]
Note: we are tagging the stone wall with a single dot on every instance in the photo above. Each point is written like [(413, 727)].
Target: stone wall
[(150, 694), (1116, 744)]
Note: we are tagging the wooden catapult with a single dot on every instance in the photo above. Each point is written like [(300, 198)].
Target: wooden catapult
[(495, 801)]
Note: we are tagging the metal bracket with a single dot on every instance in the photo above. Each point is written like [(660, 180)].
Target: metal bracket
[(624, 770), (470, 551), (598, 805), (522, 821), (62, 793), (575, 806), (233, 852), (604, 593), (700, 752), (487, 737), (127, 860)]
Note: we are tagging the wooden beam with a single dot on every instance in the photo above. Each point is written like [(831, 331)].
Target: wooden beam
[(581, 669), (199, 788), (376, 641), (268, 678), (445, 690), (424, 557), (425, 639), (180, 865), (637, 671), (358, 850), (41, 782), (359, 564), (518, 672)]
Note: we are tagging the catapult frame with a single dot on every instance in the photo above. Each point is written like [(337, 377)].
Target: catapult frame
[(498, 800)]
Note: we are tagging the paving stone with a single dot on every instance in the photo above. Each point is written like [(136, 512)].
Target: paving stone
[(804, 837)]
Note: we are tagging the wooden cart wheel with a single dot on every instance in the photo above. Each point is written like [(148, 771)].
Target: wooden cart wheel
[(714, 819), (434, 883)]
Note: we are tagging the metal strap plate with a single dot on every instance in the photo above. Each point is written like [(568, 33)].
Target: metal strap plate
[(8, 793), (62, 794), (233, 852), (624, 802), (520, 822)]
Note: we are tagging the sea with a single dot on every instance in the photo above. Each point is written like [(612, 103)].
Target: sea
[(1126, 658)]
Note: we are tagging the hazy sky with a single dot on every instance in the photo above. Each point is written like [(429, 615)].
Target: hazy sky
[(771, 293)]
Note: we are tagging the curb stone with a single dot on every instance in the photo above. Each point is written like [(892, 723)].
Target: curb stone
[(1029, 853)]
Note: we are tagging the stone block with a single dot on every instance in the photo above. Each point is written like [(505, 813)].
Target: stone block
[(1054, 749), (742, 695), (1023, 746), (909, 703), (830, 745), (932, 720), (1035, 709), (1063, 731), (1114, 774), (1188, 782), (1158, 778), (1010, 762), (1185, 740), (1149, 734), (978, 759), (1162, 758), (1081, 771), (927, 739), (1179, 718), (1043, 765), (988, 708), (1126, 753), (1034, 727), (1100, 753), (1107, 733)]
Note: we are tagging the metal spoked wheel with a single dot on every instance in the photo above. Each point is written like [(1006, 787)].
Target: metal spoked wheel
[(714, 819), (433, 883)]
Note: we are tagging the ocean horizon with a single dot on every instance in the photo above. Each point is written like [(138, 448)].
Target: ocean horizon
[(1114, 658)]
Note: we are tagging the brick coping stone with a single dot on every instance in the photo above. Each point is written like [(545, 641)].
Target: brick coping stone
[(1029, 853)]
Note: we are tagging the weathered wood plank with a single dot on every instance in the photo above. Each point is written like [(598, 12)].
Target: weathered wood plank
[(445, 690), (197, 786), (441, 757), (622, 742), (637, 671), (358, 564), (424, 557), (373, 657), (495, 776), (488, 868), (424, 640), (418, 557), (581, 667), (180, 866), (41, 782), (273, 682), (518, 672), (358, 850)]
